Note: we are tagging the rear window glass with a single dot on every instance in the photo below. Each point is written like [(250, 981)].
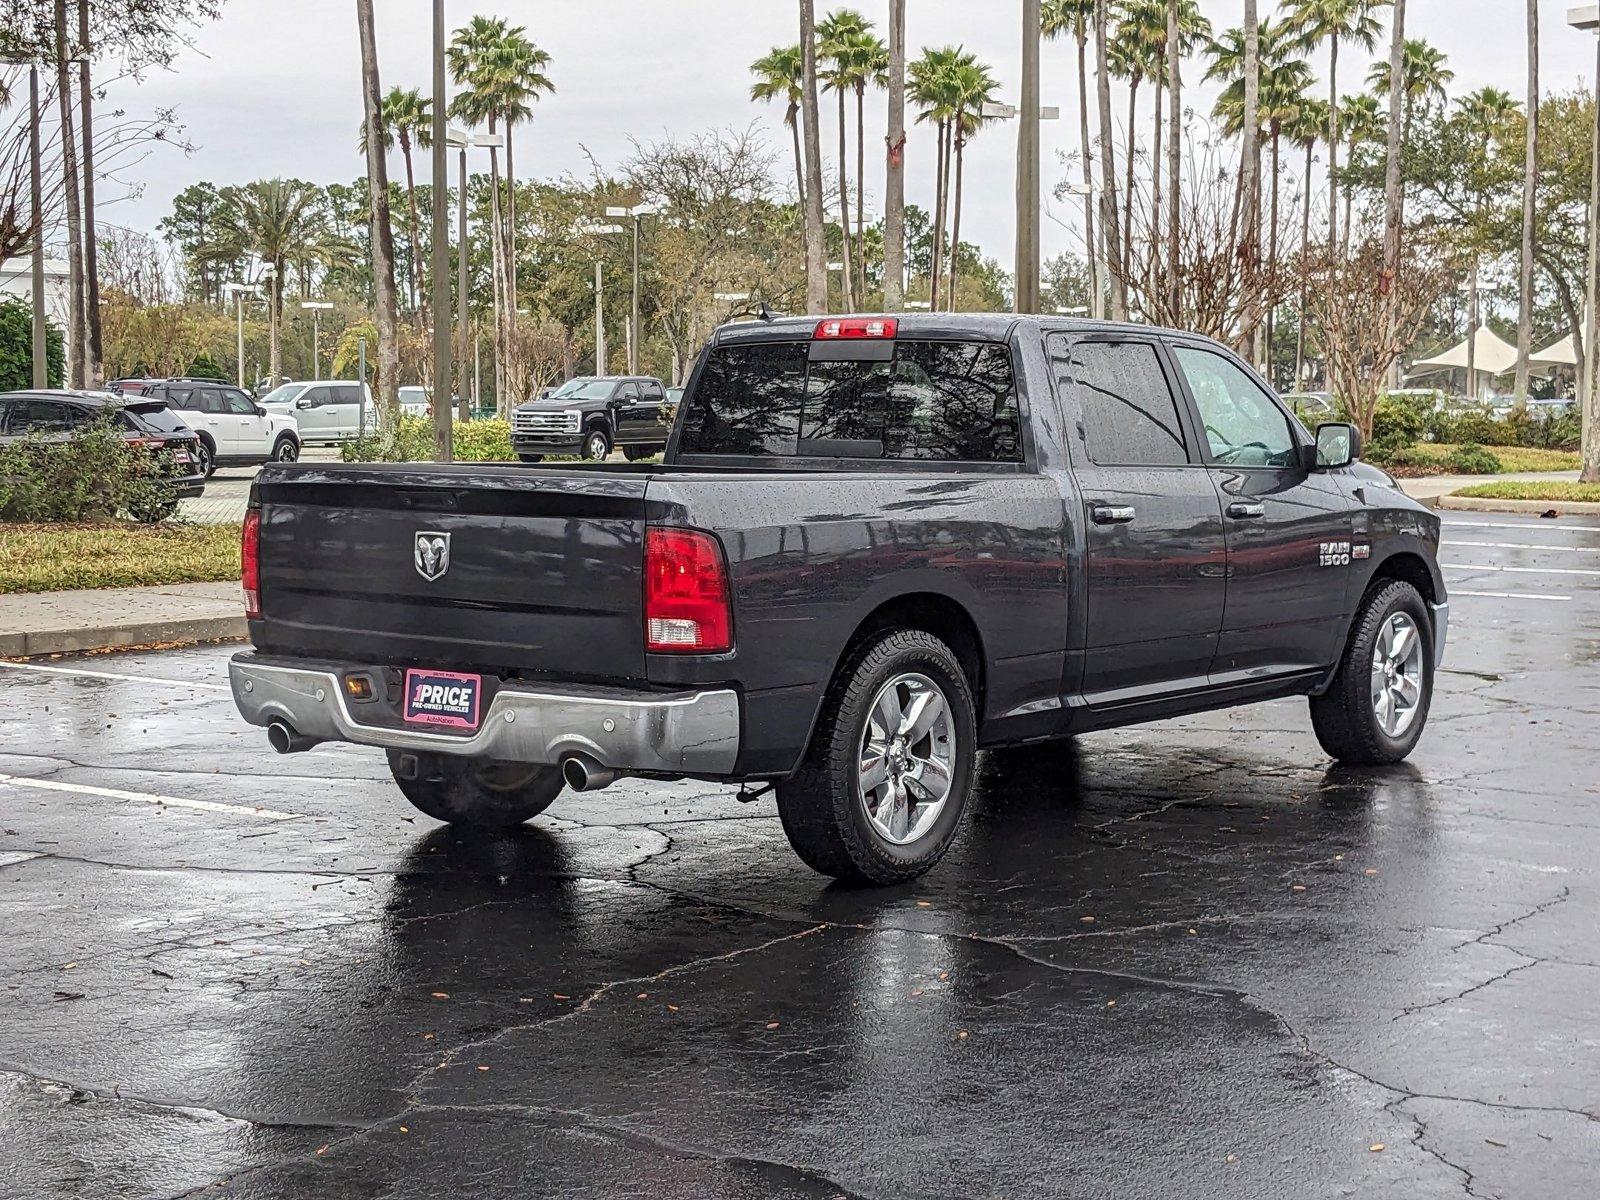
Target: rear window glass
[(1129, 414), (937, 400), (157, 418)]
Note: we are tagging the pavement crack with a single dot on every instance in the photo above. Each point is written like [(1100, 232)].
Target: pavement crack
[(1543, 906), (1412, 1009)]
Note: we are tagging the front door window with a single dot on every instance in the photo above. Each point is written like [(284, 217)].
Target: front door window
[(1243, 427)]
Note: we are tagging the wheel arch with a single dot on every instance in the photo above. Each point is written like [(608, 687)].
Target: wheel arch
[(1410, 567)]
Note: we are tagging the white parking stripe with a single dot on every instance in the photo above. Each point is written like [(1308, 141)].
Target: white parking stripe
[(1454, 592), (84, 789), (1528, 546), (189, 683), (1521, 570), (1542, 526)]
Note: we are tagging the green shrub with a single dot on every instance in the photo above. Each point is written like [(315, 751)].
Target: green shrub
[(410, 439), (94, 474), (16, 348), (1397, 422), (1472, 459)]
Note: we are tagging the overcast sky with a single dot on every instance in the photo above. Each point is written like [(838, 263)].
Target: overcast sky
[(273, 87)]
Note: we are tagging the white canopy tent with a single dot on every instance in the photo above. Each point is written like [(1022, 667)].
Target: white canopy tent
[(1492, 355), (1556, 354)]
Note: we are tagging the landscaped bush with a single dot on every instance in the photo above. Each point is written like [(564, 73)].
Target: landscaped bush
[(1471, 459), (410, 439), (1397, 422), (92, 475), (16, 348)]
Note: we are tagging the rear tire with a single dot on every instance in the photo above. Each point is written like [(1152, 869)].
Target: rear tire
[(531, 458), (478, 793), (635, 453), (1374, 711), (832, 821), (207, 458)]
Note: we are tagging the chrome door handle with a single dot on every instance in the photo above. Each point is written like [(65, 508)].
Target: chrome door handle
[(1111, 514), (1243, 510)]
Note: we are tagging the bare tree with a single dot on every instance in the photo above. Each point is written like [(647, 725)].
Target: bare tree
[(816, 251), (1250, 196), (1530, 187), (93, 353), (894, 195), (382, 230)]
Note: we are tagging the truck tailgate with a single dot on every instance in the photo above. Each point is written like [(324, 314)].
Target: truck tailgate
[(541, 571)]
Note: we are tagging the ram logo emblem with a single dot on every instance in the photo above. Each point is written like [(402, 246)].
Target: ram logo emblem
[(432, 554)]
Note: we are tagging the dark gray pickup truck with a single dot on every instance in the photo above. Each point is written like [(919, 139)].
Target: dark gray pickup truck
[(875, 547)]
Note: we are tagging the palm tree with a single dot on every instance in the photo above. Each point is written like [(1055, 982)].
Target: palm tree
[(1056, 18), (870, 59), (816, 262), (1305, 129), (841, 36), (971, 87), (931, 91), (1423, 77), (1176, 28), (1131, 54), (778, 74), (1530, 184), (1361, 123), (894, 196), (1335, 21), (1484, 113), (279, 221), (406, 118), (382, 235)]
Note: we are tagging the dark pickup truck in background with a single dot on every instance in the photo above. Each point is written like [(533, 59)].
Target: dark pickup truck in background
[(592, 415), (875, 546)]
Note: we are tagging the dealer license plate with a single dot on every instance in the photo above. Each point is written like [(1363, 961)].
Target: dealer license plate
[(446, 698)]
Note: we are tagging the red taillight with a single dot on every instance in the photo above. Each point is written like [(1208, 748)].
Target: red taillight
[(686, 609), (250, 563), (845, 328)]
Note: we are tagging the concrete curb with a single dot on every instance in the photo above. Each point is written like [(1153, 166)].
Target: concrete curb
[(1567, 508), (35, 642)]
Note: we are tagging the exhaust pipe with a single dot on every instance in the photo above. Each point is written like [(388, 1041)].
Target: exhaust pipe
[(584, 774), (283, 738)]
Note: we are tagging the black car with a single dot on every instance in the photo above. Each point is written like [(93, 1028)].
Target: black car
[(56, 415), (875, 546), (590, 415)]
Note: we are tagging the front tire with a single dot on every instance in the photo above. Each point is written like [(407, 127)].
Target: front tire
[(880, 794), (531, 458), (1374, 711), (635, 453), (479, 793), (596, 445)]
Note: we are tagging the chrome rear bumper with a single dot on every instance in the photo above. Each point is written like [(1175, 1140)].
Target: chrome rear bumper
[(689, 733)]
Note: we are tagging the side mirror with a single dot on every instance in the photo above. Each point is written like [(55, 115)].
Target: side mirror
[(302, 404), (1338, 445), (260, 412)]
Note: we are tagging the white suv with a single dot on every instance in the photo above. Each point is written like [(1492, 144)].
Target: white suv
[(234, 430), (326, 410)]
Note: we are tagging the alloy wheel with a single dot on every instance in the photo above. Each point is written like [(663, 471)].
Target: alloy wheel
[(1397, 674), (907, 758)]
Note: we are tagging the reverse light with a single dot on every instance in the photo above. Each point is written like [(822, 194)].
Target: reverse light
[(686, 605), (250, 563), (853, 328)]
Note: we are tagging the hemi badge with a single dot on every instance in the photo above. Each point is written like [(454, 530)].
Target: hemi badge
[(1361, 550)]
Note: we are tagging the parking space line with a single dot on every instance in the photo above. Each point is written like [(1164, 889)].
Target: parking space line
[(1454, 592), (1551, 526), (1529, 546), (84, 789), (40, 667), (1520, 570)]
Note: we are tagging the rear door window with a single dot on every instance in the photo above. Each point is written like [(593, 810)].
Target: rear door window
[(347, 393), (43, 416), (1129, 416), (952, 401)]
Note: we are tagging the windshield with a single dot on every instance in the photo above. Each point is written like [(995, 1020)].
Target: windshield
[(283, 394), (413, 395), (583, 389)]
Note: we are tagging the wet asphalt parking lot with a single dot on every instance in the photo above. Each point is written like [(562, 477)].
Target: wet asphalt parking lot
[(1187, 959)]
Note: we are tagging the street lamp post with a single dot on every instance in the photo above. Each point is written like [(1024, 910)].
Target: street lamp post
[(637, 213), (600, 356), (461, 140), (317, 308), (1096, 300), (237, 291), (1026, 294)]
